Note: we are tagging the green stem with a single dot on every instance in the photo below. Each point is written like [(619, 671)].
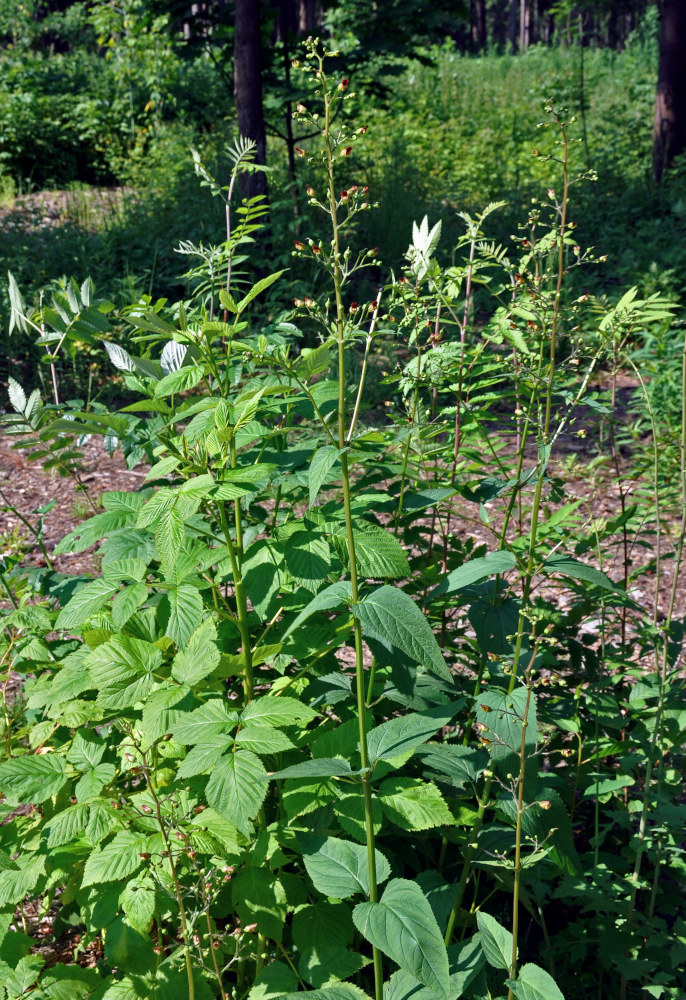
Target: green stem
[(241, 605), (518, 835)]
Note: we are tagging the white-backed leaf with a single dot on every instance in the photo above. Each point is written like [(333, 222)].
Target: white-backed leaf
[(119, 357), (173, 355)]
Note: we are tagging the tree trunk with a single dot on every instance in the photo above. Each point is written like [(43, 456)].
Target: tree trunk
[(247, 82), (524, 25), (512, 25), (669, 124), (479, 24)]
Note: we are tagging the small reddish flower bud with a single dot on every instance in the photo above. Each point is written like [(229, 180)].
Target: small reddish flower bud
[(545, 804), (199, 809), (309, 302), (353, 307), (347, 151), (374, 252), (298, 245), (146, 809), (299, 151), (374, 304), (144, 855), (310, 191), (301, 108), (343, 85), (365, 189), (298, 303), (250, 928), (316, 250), (295, 63), (362, 130), (344, 196)]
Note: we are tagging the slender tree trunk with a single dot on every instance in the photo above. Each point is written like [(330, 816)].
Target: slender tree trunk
[(479, 29), (669, 124), (512, 25), (307, 17), (524, 25), (247, 81)]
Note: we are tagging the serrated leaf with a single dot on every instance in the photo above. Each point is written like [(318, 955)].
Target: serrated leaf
[(413, 804), (271, 710), (322, 767), (308, 558), (32, 779), (407, 732), (325, 966), (116, 860), (85, 602), (120, 358), (496, 941), (392, 616), (260, 898), (172, 356), (322, 462), (534, 983), (211, 719), (19, 882), (200, 657), (257, 289), (263, 739), (137, 900), (181, 610), (203, 757), (179, 381), (339, 868), (473, 571), (403, 927), (17, 395), (341, 991), (237, 787), (334, 596), (67, 825), (379, 554)]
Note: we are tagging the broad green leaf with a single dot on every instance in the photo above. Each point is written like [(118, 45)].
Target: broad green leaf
[(392, 616), (86, 750), (308, 558), (260, 898), (24, 975), (271, 710), (211, 719), (200, 657), (403, 927), (18, 883), (534, 983), (179, 381), (334, 596), (339, 868), (137, 900), (92, 782), (203, 757), (322, 462), (473, 571), (117, 860), (407, 732), (414, 804), (32, 778), (237, 787), (122, 671), (263, 739), (379, 555), (322, 925), (496, 941), (341, 991), (127, 602), (578, 571), (85, 602), (322, 767), (458, 763), (128, 948), (181, 609), (66, 825), (273, 981), (349, 810), (500, 716), (326, 966)]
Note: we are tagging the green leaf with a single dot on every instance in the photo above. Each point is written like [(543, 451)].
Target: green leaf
[(473, 571), (414, 804), (407, 732), (127, 602), (322, 925), (67, 825), (322, 767), (117, 860), (341, 991), (495, 941), (260, 898), (325, 966), (260, 286), (179, 381), (275, 980), (127, 948), (237, 787), (137, 900), (322, 462), (85, 602), (339, 868), (203, 757), (23, 975), (308, 558), (32, 779), (181, 609), (122, 670), (18, 883), (403, 927), (200, 657), (211, 719), (392, 616), (459, 763), (271, 710), (578, 571), (501, 717), (534, 983), (379, 554), (330, 597), (263, 739)]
